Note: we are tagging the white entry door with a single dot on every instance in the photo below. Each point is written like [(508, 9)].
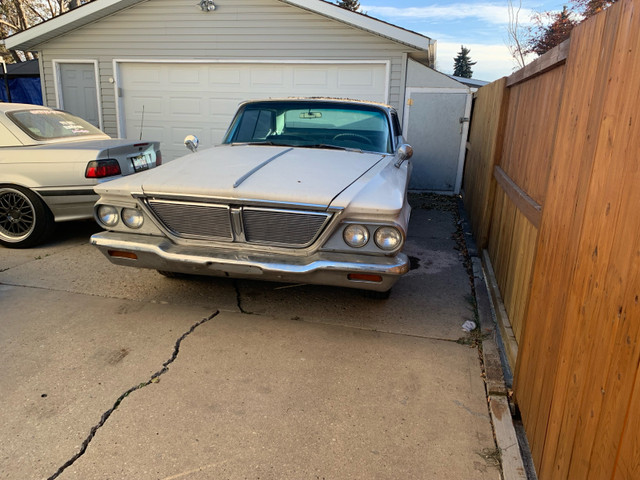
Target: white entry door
[(78, 91), (436, 123), (166, 100)]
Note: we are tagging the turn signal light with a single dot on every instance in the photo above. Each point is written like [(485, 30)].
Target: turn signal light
[(121, 254), (102, 168), (364, 277)]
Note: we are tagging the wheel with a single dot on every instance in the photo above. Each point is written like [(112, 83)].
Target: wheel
[(25, 220), (353, 137)]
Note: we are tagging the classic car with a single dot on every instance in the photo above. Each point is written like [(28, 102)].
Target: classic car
[(300, 191), (50, 161)]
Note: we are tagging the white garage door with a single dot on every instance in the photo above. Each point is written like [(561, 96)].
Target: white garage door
[(167, 101)]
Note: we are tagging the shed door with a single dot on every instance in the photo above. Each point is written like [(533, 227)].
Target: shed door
[(168, 101), (78, 91), (436, 122)]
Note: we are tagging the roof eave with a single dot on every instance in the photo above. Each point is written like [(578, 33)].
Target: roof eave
[(89, 12), (61, 24), (364, 22)]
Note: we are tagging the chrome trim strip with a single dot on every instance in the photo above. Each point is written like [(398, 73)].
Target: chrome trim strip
[(235, 201), (255, 169), (323, 268)]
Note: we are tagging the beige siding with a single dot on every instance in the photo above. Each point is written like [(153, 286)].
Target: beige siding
[(237, 30)]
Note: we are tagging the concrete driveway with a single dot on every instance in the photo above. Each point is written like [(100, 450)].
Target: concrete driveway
[(116, 373)]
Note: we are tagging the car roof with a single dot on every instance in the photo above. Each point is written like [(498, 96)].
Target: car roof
[(10, 107), (321, 99)]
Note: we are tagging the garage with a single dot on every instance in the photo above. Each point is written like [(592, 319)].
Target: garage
[(169, 100), (163, 69)]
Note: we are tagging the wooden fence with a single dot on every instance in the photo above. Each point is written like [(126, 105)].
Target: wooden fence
[(552, 186)]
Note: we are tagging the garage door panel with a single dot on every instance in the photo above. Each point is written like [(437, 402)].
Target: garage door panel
[(144, 75), (200, 99), (270, 77), (308, 77), (224, 76), (187, 106), (151, 105), (187, 77)]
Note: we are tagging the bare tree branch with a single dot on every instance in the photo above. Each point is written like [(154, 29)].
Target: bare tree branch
[(514, 33), (10, 25)]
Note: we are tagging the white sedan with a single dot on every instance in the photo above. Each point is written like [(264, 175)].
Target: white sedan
[(300, 191), (49, 163)]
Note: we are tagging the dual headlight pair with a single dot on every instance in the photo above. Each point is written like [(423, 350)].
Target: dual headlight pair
[(110, 216), (385, 237)]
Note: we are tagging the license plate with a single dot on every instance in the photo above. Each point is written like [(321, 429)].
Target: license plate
[(141, 162)]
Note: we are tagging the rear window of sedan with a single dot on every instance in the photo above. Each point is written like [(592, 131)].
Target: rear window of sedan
[(41, 124)]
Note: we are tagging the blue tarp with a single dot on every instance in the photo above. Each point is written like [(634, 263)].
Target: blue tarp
[(23, 90)]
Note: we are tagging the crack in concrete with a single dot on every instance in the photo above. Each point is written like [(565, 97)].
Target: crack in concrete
[(153, 379), (239, 298)]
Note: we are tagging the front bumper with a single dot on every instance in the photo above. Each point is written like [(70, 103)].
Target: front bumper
[(337, 269)]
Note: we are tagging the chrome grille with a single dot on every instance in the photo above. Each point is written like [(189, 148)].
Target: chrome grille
[(193, 219), (283, 227), (264, 226)]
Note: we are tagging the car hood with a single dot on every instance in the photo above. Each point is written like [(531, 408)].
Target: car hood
[(265, 173)]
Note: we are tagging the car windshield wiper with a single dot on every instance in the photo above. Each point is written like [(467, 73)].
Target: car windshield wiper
[(262, 142), (331, 147)]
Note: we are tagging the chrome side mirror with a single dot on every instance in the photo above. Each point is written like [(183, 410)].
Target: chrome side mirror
[(405, 152), (191, 142)]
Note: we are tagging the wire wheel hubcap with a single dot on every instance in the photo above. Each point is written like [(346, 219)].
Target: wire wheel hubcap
[(17, 216)]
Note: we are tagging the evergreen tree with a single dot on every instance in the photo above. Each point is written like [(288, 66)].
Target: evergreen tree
[(462, 63), (353, 5)]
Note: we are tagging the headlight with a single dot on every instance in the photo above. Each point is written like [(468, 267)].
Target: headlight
[(388, 238), (132, 218), (108, 215), (356, 235)]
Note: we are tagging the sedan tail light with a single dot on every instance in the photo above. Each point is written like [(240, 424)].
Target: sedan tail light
[(158, 158), (102, 168)]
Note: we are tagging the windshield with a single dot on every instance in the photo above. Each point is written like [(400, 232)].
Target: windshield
[(42, 124), (312, 124)]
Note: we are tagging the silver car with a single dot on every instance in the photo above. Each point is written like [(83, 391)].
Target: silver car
[(49, 163), (299, 191)]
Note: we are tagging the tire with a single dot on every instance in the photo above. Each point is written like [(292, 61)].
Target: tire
[(25, 221)]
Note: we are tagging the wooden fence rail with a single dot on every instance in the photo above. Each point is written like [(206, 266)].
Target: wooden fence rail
[(552, 186)]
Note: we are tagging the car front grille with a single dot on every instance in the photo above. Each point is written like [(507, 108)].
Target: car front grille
[(241, 224)]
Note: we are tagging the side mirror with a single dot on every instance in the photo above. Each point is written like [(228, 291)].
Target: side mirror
[(405, 152), (191, 142)]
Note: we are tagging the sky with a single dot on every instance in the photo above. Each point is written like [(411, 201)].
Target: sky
[(479, 25)]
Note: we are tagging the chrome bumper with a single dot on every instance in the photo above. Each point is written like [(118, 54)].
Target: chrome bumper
[(321, 268)]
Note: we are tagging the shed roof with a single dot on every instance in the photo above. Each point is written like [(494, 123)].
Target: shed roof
[(97, 9)]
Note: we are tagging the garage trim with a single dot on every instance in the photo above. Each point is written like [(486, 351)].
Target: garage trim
[(121, 127)]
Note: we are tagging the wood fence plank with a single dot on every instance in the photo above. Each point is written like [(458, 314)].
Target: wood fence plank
[(620, 141), (485, 146), (572, 369), (550, 61), (628, 460), (557, 241)]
